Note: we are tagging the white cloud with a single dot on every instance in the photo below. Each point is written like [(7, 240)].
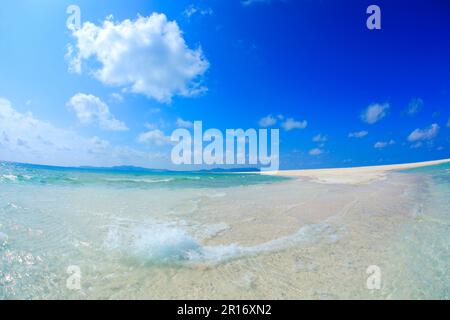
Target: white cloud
[(192, 10), (383, 144), (23, 138), (417, 145), (184, 123), (288, 124), (320, 138), (147, 56), (291, 124), (424, 134), (90, 109), (117, 97), (374, 113), (267, 121), (247, 3), (414, 106), (315, 152), (155, 136), (358, 134), (448, 123)]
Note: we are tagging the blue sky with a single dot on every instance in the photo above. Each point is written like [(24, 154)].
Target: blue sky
[(342, 95)]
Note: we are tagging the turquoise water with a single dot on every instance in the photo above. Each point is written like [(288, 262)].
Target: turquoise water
[(136, 234), (135, 178), (423, 246), (52, 218)]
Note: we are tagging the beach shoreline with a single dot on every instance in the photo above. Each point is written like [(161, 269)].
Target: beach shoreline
[(352, 175)]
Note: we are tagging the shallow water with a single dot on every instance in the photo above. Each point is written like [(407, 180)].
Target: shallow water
[(176, 235)]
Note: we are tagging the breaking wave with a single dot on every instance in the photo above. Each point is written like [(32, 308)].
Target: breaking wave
[(168, 244)]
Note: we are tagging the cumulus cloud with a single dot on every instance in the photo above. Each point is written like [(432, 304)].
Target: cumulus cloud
[(184, 123), (90, 109), (414, 106), (147, 56), (358, 134), (374, 112), (424, 134), (154, 136), (23, 138), (383, 144), (315, 152), (320, 138)]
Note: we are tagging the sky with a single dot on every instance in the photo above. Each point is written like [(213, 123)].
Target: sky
[(112, 90)]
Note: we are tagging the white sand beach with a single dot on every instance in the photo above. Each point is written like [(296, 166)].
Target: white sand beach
[(354, 175)]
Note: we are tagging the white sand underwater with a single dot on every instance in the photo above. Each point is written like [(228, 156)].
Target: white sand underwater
[(311, 237)]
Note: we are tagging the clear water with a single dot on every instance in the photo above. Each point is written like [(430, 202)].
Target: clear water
[(52, 218), (423, 245), (91, 177), (204, 235)]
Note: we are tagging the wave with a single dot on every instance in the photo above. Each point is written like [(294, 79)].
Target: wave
[(9, 177), (161, 243), (79, 177), (132, 180), (15, 178)]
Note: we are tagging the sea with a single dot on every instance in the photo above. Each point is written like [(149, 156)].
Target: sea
[(99, 233)]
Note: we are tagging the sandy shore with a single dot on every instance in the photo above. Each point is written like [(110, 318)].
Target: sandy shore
[(355, 175)]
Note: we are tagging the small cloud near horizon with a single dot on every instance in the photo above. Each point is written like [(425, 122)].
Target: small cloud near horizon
[(315, 152), (287, 124), (193, 10), (184, 123), (428, 133), (358, 134), (90, 109), (291, 124), (415, 105), (154, 136), (267, 121), (383, 144), (320, 138), (374, 112)]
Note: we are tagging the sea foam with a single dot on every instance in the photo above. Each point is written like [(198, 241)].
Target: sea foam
[(161, 243)]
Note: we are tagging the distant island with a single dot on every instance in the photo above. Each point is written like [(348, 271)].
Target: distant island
[(134, 169)]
